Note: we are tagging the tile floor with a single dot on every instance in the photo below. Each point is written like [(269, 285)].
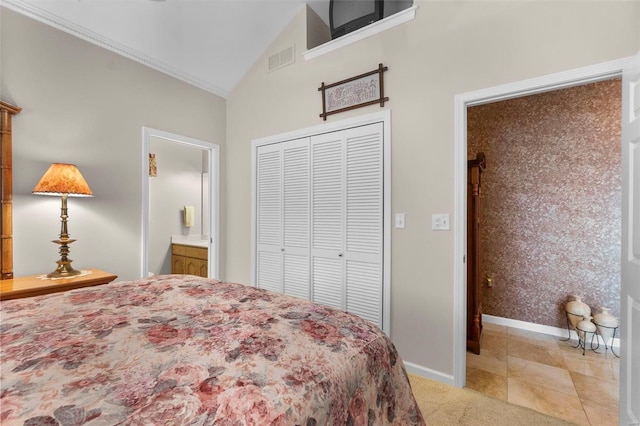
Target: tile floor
[(543, 373)]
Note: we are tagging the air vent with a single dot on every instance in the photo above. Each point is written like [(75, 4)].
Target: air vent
[(282, 59)]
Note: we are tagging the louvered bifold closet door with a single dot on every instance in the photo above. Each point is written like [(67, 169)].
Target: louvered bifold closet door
[(295, 205), (363, 254), (269, 217), (347, 220), (327, 219), (282, 223)]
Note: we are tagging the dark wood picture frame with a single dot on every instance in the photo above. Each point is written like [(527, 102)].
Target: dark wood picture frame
[(354, 92)]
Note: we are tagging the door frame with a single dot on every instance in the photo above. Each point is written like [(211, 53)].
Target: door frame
[(547, 83), (213, 153)]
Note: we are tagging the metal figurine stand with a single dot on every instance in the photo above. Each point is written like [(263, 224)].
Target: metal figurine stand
[(582, 342), (569, 327), (613, 336)]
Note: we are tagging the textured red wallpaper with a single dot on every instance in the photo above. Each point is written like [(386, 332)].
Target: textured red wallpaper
[(551, 206)]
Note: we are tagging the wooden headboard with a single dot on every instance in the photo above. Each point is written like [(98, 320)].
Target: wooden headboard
[(7, 111)]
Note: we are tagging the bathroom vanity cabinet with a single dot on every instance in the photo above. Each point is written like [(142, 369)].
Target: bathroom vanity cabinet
[(190, 260)]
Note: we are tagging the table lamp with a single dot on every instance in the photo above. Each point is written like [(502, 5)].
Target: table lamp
[(63, 180)]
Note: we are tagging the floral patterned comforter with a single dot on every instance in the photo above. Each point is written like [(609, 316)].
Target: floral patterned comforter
[(183, 350)]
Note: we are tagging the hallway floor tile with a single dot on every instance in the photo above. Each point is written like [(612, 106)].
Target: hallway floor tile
[(546, 374)]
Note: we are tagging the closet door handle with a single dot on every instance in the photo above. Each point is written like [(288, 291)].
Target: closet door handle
[(339, 254), (282, 249)]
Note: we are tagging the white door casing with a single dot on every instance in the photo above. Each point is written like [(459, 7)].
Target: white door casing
[(630, 285), (561, 80)]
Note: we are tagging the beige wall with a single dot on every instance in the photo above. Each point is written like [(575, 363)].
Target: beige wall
[(551, 201), (85, 105), (450, 48)]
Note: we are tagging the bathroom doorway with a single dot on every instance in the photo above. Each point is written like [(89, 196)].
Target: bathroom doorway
[(180, 205)]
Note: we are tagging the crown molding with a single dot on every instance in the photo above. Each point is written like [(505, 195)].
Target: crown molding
[(83, 33)]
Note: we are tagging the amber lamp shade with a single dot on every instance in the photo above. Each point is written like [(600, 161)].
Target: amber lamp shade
[(64, 180)]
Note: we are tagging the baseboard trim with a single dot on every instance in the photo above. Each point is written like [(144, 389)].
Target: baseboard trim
[(429, 373), (491, 319), (538, 328)]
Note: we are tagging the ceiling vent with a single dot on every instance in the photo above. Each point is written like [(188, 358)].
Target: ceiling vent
[(282, 59)]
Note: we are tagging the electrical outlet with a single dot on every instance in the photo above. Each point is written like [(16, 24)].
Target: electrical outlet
[(400, 220), (440, 222)]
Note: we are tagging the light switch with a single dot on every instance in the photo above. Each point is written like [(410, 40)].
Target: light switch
[(440, 222), (400, 220)]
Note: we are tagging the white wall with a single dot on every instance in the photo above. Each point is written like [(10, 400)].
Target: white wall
[(450, 48), (85, 105)]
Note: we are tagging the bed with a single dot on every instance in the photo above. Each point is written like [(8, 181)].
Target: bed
[(184, 350)]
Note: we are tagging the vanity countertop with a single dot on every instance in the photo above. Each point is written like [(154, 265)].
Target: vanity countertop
[(190, 242)]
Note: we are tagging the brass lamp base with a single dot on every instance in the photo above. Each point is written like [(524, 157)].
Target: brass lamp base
[(64, 270)]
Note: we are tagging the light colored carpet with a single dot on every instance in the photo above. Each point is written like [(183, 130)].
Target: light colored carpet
[(442, 404)]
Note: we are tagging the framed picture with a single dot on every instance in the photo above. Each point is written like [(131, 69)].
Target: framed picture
[(355, 92)]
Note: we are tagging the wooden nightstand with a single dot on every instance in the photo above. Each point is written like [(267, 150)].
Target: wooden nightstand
[(17, 288)]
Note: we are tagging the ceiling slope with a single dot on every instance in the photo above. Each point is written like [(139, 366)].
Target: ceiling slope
[(210, 44)]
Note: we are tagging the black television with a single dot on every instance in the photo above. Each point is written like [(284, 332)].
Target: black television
[(346, 16)]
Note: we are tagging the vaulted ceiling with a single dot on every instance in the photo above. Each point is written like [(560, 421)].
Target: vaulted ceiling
[(208, 43)]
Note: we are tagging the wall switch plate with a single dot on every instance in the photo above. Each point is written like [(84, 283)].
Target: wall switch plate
[(440, 222), (400, 220)]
